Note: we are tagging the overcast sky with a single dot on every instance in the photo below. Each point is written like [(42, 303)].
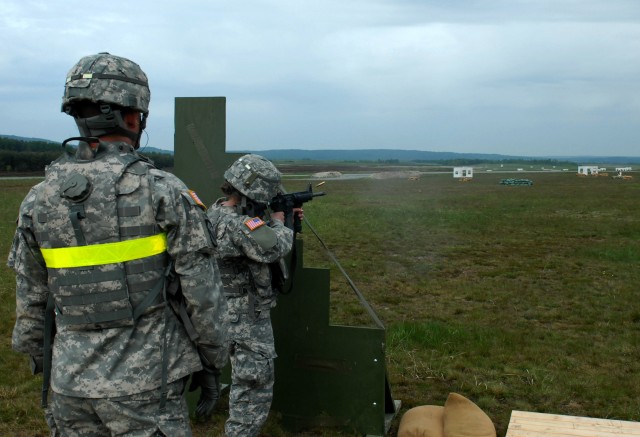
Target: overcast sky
[(524, 77)]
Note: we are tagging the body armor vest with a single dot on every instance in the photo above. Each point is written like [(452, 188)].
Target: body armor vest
[(94, 202), (235, 276), (240, 275)]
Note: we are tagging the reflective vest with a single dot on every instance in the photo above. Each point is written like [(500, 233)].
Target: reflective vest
[(96, 228)]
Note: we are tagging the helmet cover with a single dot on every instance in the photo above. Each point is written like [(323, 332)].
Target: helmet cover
[(106, 78), (255, 177)]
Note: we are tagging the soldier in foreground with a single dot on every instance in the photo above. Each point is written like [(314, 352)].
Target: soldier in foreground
[(248, 247), (97, 241)]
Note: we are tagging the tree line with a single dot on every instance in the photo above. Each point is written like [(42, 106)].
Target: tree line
[(543, 162), (20, 156)]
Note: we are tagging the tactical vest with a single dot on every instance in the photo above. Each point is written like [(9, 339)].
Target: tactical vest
[(235, 276), (96, 228), (240, 275)]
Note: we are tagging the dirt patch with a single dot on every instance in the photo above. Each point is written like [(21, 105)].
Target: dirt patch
[(379, 175), (327, 175), (396, 175), (315, 167)]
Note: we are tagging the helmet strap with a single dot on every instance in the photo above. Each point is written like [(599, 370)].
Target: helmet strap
[(143, 125), (241, 208), (251, 208), (109, 121)]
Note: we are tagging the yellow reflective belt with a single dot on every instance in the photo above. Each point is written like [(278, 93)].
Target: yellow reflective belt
[(106, 253)]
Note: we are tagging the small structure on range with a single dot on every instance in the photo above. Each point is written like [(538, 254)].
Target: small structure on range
[(622, 176), (588, 170), (463, 173)]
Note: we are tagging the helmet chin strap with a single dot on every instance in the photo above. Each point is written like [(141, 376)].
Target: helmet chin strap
[(143, 125), (241, 207), (109, 121), (250, 208)]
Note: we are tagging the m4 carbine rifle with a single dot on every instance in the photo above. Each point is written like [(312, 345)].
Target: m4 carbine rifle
[(287, 202)]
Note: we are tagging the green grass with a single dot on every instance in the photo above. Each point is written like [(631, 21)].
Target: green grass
[(516, 297), (20, 413)]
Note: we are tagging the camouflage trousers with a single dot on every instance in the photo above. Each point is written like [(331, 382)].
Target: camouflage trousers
[(252, 374), (131, 416), (53, 429)]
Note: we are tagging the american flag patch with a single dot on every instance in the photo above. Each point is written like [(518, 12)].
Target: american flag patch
[(254, 223), (196, 199)]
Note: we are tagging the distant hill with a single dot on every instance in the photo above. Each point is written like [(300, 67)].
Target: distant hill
[(148, 149), (390, 154), (376, 155), (22, 154), (601, 159), (426, 156), (42, 140), (57, 143)]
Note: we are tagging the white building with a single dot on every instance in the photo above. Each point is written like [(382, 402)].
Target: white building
[(588, 170), (462, 172)]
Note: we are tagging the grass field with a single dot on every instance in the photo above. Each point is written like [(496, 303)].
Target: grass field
[(517, 297)]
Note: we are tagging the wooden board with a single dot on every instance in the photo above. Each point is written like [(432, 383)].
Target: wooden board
[(527, 424)]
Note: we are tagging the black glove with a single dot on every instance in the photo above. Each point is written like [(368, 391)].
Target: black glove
[(208, 379)]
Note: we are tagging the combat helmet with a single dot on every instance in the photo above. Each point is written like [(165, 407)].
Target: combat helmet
[(255, 177), (112, 83)]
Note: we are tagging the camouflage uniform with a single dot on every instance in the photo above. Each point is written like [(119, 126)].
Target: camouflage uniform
[(121, 361), (245, 246), (120, 356)]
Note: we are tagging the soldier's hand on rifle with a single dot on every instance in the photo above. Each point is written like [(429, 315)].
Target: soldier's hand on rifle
[(283, 215), (278, 215), (208, 379)]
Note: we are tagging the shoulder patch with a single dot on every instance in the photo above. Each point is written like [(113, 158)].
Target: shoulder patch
[(254, 223), (193, 198)]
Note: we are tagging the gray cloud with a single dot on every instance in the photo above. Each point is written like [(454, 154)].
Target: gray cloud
[(530, 77)]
